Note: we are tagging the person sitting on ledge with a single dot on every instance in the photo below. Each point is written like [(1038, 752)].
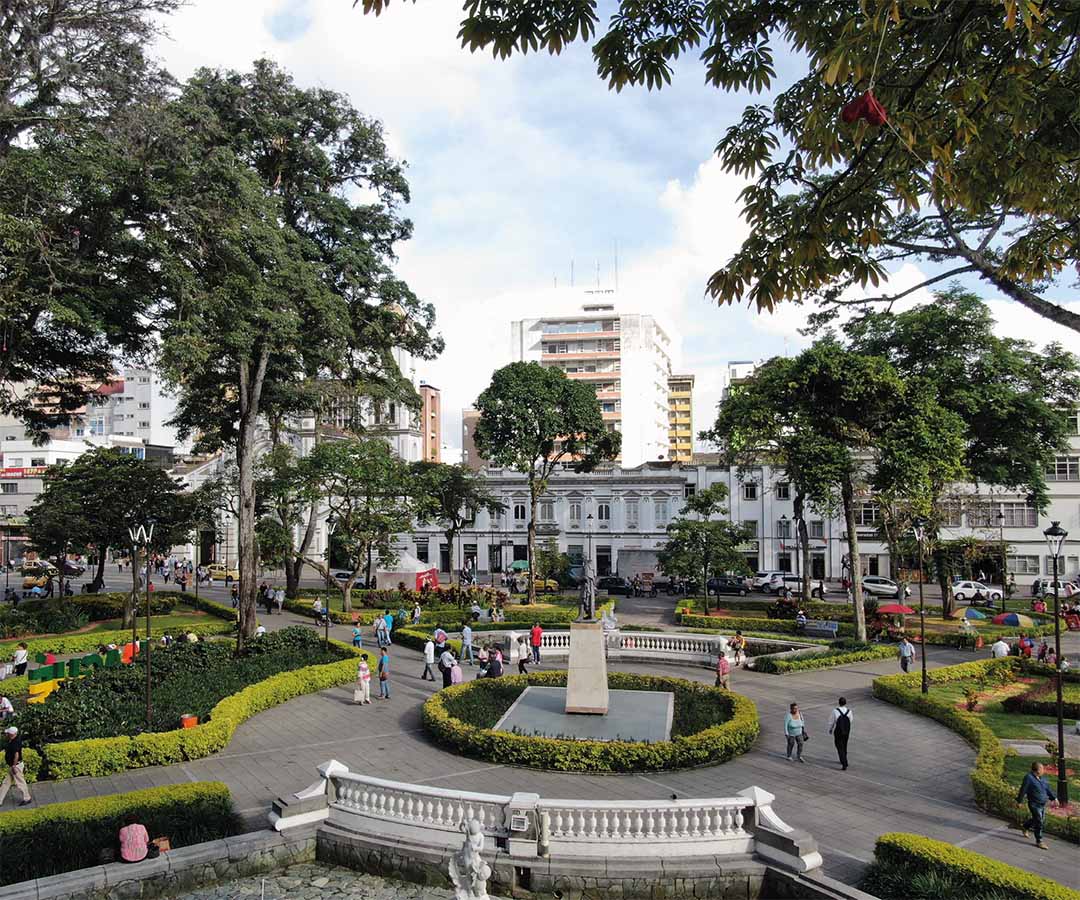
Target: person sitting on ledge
[(134, 840)]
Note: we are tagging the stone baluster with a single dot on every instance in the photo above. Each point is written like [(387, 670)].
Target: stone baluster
[(638, 824)]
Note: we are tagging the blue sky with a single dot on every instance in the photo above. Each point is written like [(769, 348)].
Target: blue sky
[(517, 167)]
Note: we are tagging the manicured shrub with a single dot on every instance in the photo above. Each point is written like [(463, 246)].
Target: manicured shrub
[(992, 793), (62, 837), (71, 644), (913, 866), (111, 605), (835, 656), (709, 726), (728, 624)]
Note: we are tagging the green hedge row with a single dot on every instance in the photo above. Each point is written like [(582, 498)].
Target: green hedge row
[(992, 793), (728, 624), (823, 660), (111, 605), (715, 743), (105, 756), (71, 644), (905, 860), (62, 837)]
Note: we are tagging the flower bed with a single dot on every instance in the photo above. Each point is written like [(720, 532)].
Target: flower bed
[(835, 656), (1041, 698), (710, 726), (992, 793), (910, 865), (62, 837)]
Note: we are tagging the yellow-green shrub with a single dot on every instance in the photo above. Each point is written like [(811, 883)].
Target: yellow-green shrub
[(62, 837), (70, 644), (714, 744), (912, 853)]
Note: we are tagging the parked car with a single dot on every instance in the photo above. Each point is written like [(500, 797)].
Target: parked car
[(761, 580), (218, 572), (613, 584), (37, 567), (1065, 588), (880, 586), (794, 583), (73, 569), (728, 584), (966, 590)]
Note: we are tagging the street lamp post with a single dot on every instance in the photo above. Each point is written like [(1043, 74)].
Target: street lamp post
[(7, 555), (589, 520), (331, 524), (920, 535), (1055, 538), (1004, 561), (144, 534)]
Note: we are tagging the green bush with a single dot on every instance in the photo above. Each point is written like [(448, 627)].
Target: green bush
[(910, 865), (105, 756), (51, 616), (836, 656), (71, 644), (111, 605), (728, 624), (992, 793), (710, 726), (62, 837)]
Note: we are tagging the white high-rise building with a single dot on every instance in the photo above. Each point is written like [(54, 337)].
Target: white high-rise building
[(627, 357)]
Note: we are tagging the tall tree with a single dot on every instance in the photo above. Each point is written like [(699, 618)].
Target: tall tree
[(698, 545), (533, 419), (94, 500), (283, 287), (450, 495), (974, 164), (78, 274), (369, 497)]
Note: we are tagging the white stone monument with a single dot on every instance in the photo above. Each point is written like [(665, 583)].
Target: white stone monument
[(586, 676), (468, 871)]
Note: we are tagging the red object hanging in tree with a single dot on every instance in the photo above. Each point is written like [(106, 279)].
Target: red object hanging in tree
[(865, 107)]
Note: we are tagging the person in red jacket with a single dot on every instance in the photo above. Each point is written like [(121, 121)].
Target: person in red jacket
[(536, 636)]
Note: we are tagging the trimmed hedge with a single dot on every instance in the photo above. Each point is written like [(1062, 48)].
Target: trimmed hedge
[(992, 793), (824, 660), (105, 756), (71, 644), (111, 605), (902, 857), (770, 626), (1041, 700), (62, 837), (714, 743)]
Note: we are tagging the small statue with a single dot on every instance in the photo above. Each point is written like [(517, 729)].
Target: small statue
[(588, 593), (468, 871)]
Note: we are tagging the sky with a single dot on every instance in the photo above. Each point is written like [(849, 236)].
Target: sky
[(519, 168)]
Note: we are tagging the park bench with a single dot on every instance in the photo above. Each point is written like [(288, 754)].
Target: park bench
[(820, 628)]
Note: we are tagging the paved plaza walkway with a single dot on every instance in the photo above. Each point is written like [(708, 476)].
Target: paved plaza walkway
[(907, 773)]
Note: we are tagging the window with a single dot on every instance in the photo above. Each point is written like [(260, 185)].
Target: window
[(631, 513), (14, 462), (144, 424), (144, 379), (783, 529), (1064, 468), (949, 512), (1066, 564), (519, 512), (144, 405), (866, 513), (576, 554), (1023, 565), (663, 514), (689, 491), (547, 511), (603, 512), (749, 491), (37, 461), (751, 527), (1074, 421), (575, 514), (783, 490), (817, 528), (981, 514), (1018, 515), (9, 487), (422, 550), (783, 562)]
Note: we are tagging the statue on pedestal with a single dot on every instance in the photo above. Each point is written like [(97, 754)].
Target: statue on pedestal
[(468, 871), (588, 593)]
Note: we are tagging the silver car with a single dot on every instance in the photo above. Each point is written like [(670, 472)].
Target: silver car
[(880, 586), (966, 590)]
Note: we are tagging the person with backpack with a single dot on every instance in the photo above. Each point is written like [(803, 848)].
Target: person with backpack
[(840, 729)]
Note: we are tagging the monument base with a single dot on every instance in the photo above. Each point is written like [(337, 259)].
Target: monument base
[(632, 716), (586, 676)]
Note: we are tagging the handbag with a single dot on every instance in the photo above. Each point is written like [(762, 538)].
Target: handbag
[(805, 735)]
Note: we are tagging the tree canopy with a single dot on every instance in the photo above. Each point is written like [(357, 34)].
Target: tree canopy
[(975, 170)]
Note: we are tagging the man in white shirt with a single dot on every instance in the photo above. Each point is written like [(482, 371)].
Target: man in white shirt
[(446, 666), (999, 648), (429, 660), (466, 643), (840, 729)]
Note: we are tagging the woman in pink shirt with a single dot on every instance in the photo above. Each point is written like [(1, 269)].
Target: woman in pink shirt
[(133, 840)]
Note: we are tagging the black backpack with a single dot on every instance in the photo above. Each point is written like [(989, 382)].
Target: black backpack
[(842, 728)]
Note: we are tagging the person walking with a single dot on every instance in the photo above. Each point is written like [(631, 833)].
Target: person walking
[(795, 731), (738, 644), (466, 642), (384, 674), (279, 599), (357, 636), (907, 653), (840, 729), (382, 638), (1036, 790), (21, 657), (429, 660), (536, 638), (389, 618), (446, 666), (723, 670), (362, 691), (13, 756), (523, 655), (999, 649), (416, 612)]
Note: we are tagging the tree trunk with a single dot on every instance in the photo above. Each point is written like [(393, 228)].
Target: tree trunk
[(533, 503), (847, 491), (292, 576), (99, 579), (803, 538), (250, 397), (944, 572)]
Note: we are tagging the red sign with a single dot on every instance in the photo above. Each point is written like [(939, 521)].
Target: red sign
[(28, 472)]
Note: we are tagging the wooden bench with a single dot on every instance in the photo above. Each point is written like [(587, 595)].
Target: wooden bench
[(820, 628)]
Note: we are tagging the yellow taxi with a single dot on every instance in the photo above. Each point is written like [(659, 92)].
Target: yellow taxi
[(219, 572)]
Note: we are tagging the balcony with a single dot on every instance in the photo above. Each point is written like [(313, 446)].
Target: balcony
[(564, 336), (611, 416), (547, 528), (577, 357)]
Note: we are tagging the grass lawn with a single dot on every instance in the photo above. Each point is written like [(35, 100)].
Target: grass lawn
[(1016, 767), (1003, 724), (172, 623)]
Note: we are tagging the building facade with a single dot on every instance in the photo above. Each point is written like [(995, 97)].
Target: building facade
[(625, 357), (430, 423), (470, 456), (681, 418)]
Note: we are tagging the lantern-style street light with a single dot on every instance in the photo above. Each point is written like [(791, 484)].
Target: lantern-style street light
[(919, 527), (143, 535), (1055, 538)]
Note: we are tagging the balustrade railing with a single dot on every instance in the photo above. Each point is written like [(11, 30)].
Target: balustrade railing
[(628, 820)]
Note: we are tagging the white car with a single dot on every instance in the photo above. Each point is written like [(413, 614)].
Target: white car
[(966, 590), (880, 586), (761, 579), (793, 583), (1065, 588)]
